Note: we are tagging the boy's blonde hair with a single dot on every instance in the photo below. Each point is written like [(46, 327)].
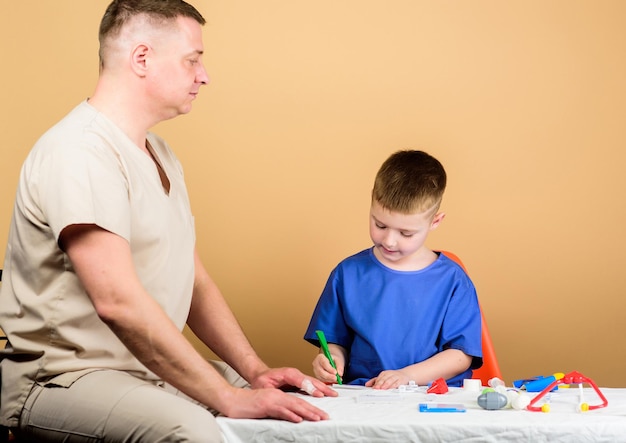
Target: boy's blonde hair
[(410, 182)]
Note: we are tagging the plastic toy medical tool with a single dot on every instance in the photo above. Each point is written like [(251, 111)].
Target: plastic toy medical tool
[(537, 384), (571, 378), (439, 386), (441, 407), (492, 400)]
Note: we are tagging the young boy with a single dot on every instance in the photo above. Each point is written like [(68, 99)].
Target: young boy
[(399, 312)]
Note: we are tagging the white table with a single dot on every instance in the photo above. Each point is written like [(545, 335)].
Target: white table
[(356, 416)]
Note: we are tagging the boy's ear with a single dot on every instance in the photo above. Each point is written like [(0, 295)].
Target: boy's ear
[(437, 219)]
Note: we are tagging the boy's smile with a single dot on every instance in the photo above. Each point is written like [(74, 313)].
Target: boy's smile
[(399, 238)]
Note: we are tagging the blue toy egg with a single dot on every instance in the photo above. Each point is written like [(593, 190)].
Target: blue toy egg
[(492, 400)]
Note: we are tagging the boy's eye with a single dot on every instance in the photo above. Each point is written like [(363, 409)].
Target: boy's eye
[(407, 234), (380, 226)]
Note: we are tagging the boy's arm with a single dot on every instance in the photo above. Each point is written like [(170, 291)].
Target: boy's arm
[(446, 364)]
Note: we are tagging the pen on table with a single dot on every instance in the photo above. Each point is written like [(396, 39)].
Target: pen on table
[(324, 345)]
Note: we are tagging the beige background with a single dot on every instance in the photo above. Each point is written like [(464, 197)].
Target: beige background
[(523, 101)]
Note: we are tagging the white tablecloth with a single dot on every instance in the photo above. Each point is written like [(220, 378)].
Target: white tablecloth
[(359, 416)]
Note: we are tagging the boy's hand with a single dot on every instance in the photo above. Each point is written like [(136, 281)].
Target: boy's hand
[(324, 371), (388, 380)]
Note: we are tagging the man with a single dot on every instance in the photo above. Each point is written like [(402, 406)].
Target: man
[(101, 272)]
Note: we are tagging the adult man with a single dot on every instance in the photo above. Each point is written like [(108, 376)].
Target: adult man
[(101, 271)]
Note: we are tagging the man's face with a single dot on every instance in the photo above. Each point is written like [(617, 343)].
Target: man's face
[(176, 70)]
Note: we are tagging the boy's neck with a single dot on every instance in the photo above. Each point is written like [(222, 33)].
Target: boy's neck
[(416, 262)]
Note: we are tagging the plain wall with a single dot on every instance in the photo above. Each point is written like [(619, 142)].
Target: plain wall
[(523, 101)]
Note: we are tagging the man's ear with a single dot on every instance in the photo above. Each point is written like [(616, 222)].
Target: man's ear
[(437, 219), (138, 59)]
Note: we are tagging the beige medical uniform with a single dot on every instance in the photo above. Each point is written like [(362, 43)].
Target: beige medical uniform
[(85, 170)]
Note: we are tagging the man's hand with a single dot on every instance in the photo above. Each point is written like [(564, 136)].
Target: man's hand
[(291, 377), (271, 403)]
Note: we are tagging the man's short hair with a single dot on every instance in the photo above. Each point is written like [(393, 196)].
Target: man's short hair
[(159, 12)]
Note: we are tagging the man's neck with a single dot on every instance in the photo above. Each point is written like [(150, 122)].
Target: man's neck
[(125, 110)]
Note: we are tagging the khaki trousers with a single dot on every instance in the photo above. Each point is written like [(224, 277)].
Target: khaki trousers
[(113, 406)]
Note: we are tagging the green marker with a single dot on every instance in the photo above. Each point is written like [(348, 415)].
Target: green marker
[(324, 345)]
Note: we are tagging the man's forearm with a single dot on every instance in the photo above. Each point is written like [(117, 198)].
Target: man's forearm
[(212, 320)]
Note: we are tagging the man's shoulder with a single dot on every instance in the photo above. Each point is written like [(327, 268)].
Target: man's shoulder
[(70, 127), (81, 127)]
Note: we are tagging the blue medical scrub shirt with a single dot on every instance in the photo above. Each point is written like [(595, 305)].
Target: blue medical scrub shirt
[(389, 319)]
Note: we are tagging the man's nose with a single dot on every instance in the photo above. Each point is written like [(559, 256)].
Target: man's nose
[(202, 76)]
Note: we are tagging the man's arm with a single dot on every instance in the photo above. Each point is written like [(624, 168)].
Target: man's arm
[(213, 322), (104, 265)]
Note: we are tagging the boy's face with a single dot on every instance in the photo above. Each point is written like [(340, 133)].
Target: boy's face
[(399, 238)]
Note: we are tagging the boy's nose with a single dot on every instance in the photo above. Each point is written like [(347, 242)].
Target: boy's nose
[(389, 240)]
